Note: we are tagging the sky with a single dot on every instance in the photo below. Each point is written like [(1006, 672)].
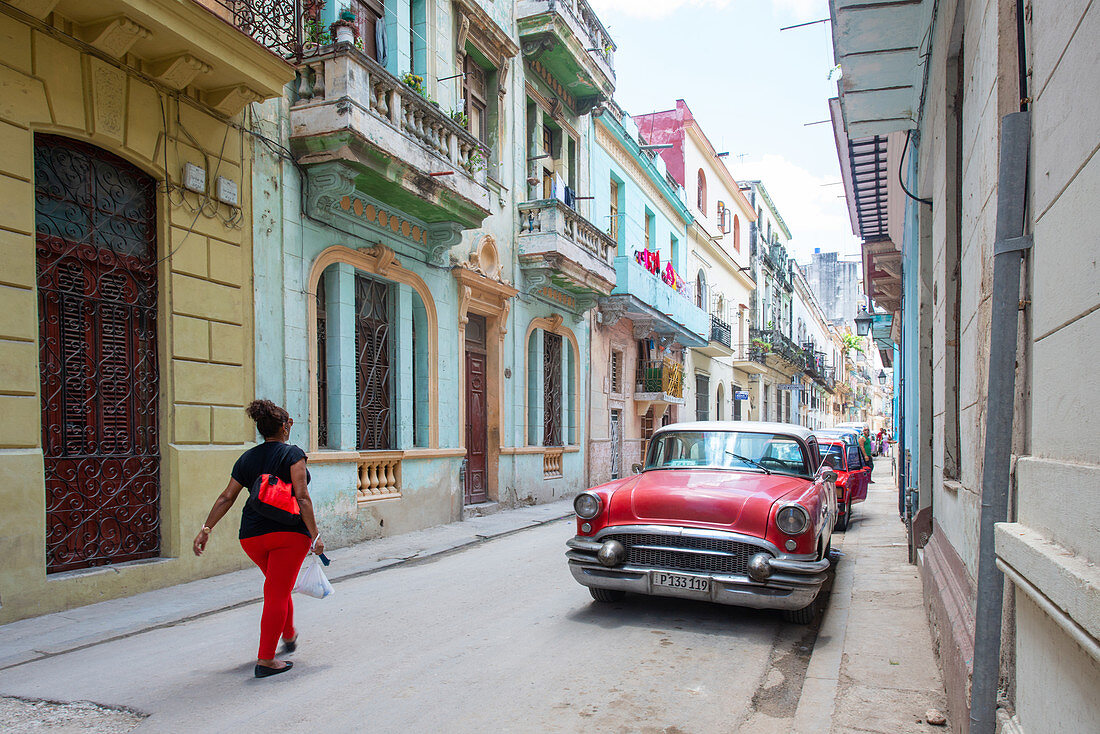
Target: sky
[(752, 89)]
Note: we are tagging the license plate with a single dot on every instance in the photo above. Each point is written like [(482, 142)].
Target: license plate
[(680, 581)]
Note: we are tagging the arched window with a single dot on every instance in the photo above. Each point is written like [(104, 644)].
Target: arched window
[(96, 248), (719, 402), (736, 234), (552, 384), (373, 361), (701, 289), (701, 192)]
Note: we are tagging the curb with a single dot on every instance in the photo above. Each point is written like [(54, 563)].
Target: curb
[(33, 650), (817, 702)]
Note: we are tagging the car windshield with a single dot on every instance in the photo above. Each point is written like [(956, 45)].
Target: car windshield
[(833, 451), (769, 452)]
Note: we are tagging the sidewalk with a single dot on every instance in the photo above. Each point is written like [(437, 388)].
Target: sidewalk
[(873, 668), (55, 634)]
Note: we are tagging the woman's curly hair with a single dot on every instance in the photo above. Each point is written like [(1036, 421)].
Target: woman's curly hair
[(269, 417)]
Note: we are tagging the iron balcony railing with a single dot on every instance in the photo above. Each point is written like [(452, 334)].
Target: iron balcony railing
[(277, 25), (778, 343), (660, 376), (750, 352), (720, 331)]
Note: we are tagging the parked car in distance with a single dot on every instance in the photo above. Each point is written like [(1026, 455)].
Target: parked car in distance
[(853, 475), (736, 513)]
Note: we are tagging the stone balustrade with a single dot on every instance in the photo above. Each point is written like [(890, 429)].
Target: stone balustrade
[(552, 463), (379, 476), (366, 94)]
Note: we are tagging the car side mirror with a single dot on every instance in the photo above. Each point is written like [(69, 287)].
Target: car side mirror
[(829, 476), (636, 468)]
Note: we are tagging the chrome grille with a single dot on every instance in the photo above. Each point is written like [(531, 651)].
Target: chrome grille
[(686, 553)]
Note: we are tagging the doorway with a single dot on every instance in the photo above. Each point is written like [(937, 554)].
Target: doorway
[(476, 476), (616, 443)]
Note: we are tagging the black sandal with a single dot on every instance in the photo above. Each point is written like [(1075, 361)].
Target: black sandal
[(290, 645), (263, 671)]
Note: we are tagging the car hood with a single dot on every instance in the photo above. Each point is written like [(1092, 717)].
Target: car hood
[(720, 499)]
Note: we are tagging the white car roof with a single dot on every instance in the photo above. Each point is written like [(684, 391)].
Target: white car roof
[(786, 429)]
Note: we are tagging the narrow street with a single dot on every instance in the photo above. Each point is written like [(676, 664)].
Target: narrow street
[(497, 637)]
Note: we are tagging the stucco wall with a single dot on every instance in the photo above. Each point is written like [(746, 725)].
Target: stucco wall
[(204, 318)]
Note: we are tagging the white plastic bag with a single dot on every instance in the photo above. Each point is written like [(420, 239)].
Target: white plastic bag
[(312, 580)]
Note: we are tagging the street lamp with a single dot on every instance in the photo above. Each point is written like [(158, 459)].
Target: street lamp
[(882, 377), (863, 322)]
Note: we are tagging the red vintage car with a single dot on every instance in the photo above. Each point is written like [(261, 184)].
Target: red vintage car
[(853, 475), (736, 513)]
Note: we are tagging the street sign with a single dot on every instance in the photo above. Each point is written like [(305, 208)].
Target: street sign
[(790, 387), (740, 395)]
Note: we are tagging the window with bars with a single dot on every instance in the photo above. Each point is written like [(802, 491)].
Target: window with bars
[(373, 359), (736, 403), (322, 365), (616, 371), (702, 397), (552, 390)]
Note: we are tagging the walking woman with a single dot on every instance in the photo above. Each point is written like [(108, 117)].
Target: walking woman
[(278, 549)]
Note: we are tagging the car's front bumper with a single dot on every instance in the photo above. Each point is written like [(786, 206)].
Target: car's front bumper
[(792, 585)]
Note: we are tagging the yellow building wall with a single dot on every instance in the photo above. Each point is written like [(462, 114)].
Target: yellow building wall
[(205, 335)]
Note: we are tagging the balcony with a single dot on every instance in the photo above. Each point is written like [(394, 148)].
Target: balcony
[(569, 49), (750, 358), (659, 383), (787, 354), (720, 344), (654, 306), (228, 57), (562, 251), (380, 156)]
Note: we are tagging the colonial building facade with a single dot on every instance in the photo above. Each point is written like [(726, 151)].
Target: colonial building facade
[(972, 184), (128, 312)]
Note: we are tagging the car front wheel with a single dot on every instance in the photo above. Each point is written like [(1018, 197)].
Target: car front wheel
[(805, 615), (606, 595)]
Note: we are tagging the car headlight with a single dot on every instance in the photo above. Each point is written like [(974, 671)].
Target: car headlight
[(792, 519), (586, 505)]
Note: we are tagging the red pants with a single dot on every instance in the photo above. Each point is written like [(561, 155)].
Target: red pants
[(279, 556)]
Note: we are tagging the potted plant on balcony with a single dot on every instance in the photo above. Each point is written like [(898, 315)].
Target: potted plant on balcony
[(416, 83), (344, 28), (316, 35)]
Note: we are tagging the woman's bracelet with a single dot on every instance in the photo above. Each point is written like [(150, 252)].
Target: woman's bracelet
[(206, 529)]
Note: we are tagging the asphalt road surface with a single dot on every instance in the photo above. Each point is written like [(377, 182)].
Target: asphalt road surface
[(493, 638)]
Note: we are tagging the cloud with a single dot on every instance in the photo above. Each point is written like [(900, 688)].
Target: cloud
[(812, 206), (653, 9)]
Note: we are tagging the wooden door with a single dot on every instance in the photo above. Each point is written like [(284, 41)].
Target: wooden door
[(477, 459)]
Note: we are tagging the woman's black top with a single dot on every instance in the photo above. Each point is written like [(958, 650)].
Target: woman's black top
[(270, 457)]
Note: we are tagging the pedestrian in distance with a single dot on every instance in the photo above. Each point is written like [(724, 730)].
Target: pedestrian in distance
[(278, 548), (866, 447)]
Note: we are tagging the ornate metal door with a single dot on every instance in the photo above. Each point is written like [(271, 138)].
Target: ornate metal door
[(476, 480), (372, 375), (96, 252), (552, 393)]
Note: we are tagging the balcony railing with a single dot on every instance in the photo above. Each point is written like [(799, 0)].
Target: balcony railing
[(553, 216), (660, 376), (781, 345), (585, 23), (750, 352), (344, 75), (720, 331), (277, 25)]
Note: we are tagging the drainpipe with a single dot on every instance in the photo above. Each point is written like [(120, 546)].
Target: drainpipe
[(1008, 252)]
